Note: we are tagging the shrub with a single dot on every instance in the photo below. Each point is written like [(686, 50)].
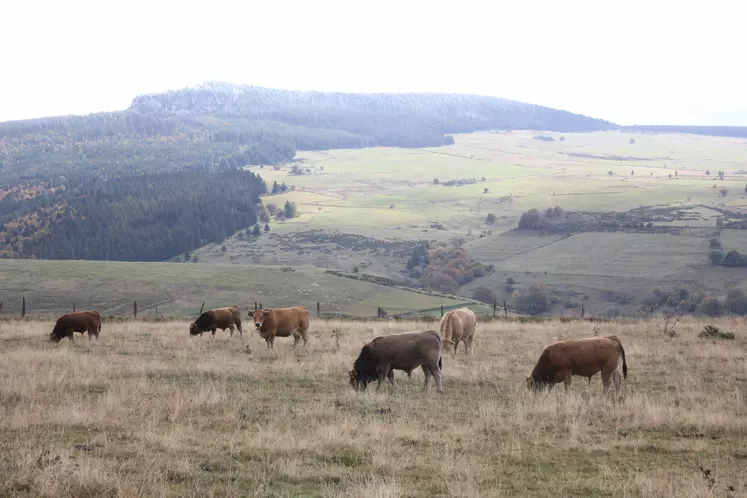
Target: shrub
[(683, 294), (711, 306), (712, 332), (673, 300), (510, 281), (256, 231), (716, 256), (530, 219), (533, 300), (714, 243), (290, 209), (490, 219), (736, 301), (484, 295), (686, 306)]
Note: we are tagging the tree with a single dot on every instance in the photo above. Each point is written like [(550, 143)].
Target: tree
[(436, 182), (711, 306), (485, 190), (290, 209), (736, 301), (484, 295), (714, 243), (275, 188), (533, 300), (267, 227), (490, 218), (271, 208), (256, 231), (531, 219)]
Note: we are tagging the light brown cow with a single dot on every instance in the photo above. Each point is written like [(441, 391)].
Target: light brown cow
[(379, 359), (283, 322), (458, 325), (81, 321), (583, 357), (219, 318)]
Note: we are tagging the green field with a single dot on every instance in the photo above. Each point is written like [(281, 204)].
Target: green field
[(52, 287)]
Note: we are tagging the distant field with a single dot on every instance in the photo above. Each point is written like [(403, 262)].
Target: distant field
[(389, 194), (52, 287), (148, 411)]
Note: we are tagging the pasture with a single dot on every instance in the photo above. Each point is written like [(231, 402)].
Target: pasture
[(149, 411), (52, 287)]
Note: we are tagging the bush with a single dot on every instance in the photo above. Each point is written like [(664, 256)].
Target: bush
[(533, 301), (736, 301), (484, 295), (714, 244), (531, 219), (510, 281), (716, 256), (711, 306), (683, 294), (673, 300), (290, 209), (490, 219), (256, 231), (686, 306), (712, 332)]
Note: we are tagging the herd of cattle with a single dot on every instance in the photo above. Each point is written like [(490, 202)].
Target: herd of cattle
[(379, 358)]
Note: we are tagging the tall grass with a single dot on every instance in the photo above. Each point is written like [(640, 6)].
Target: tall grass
[(149, 411)]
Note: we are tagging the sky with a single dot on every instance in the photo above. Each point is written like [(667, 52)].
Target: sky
[(632, 62)]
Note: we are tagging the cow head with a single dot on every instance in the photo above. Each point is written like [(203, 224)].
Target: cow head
[(259, 317), (54, 337), (535, 385), (194, 329), (356, 381)]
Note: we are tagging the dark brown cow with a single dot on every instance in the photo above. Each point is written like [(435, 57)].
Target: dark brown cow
[(282, 322), (379, 358), (583, 357), (81, 321), (220, 318)]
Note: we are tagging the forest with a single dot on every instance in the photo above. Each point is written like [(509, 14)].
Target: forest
[(143, 217)]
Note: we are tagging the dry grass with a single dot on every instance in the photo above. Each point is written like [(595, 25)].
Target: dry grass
[(149, 411)]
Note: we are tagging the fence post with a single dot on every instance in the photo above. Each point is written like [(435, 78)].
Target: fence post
[(156, 310), (318, 309), (495, 304), (73, 307), (260, 305), (1, 308), (255, 305), (202, 307), (583, 311), (134, 309), (23, 307), (442, 311), (505, 309)]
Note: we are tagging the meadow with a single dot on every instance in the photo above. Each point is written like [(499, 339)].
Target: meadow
[(149, 411), (178, 289)]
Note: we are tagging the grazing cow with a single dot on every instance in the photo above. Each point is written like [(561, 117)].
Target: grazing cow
[(458, 325), (384, 354), (282, 322), (220, 318), (583, 357), (81, 321)]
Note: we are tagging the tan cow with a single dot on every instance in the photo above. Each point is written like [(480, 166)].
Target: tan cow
[(583, 357), (379, 358), (219, 318), (81, 321), (458, 325), (283, 322)]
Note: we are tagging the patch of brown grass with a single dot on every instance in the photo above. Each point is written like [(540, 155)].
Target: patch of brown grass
[(149, 411)]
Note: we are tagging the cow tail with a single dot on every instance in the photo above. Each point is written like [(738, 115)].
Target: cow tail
[(622, 351), (440, 362), (97, 314)]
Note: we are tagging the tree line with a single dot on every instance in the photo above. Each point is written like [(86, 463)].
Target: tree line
[(147, 217)]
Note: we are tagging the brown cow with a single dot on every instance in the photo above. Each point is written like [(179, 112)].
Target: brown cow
[(583, 357), (220, 318), (384, 354), (282, 322), (459, 325), (81, 321)]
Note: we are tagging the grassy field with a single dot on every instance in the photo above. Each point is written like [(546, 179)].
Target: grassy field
[(52, 287), (148, 411)]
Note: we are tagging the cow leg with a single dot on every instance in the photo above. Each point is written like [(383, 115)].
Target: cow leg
[(241, 332), (305, 335), (427, 374), (606, 382), (567, 382), (296, 338), (469, 347), (267, 341), (213, 331), (390, 376), (438, 377), (381, 375), (617, 380), (456, 346), (230, 330)]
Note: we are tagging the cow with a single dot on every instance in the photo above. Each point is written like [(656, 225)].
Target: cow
[(560, 361), (458, 325), (220, 318), (380, 357), (282, 322), (81, 321)]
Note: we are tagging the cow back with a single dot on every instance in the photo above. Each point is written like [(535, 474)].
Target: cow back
[(282, 322)]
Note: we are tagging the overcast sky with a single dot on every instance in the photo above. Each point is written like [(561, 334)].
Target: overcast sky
[(632, 62)]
